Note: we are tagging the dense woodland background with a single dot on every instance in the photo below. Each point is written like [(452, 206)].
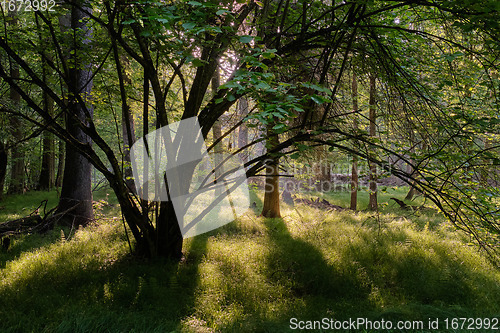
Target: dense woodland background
[(337, 106)]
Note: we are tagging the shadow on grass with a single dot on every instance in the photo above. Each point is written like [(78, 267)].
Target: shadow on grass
[(299, 265), (93, 295)]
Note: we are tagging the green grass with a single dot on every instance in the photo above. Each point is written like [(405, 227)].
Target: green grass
[(251, 275)]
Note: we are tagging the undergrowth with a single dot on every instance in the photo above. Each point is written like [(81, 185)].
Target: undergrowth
[(252, 275)]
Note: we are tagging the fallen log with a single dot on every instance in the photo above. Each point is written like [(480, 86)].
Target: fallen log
[(32, 223), (21, 224)]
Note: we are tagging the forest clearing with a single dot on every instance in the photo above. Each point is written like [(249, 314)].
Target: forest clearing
[(252, 275)]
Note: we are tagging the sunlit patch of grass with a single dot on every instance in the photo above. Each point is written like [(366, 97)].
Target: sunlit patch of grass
[(17, 206), (90, 249)]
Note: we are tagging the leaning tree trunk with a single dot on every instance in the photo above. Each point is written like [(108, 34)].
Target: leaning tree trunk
[(373, 205), (216, 134), (76, 193), (271, 207)]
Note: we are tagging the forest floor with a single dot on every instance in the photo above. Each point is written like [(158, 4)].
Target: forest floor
[(252, 275)]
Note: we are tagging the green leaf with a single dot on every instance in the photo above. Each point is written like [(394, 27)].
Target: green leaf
[(262, 86), (129, 21), (279, 126), (315, 87), (317, 99), (269, 54), (295, 156), (194, 3), (189, 25), (246, 39), (197, 62)]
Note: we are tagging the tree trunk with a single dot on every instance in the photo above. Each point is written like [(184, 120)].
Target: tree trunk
[(128, 128), (77, 181), (217, 133), (373, 205), (60, 164), (271, 207), (169, 240), (354, 170), (409, 167), (47, 173), (17, 175), (46, 180), (243, 130), (3, 167)]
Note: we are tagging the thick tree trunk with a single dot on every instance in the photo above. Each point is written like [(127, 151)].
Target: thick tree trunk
[(354, 171), (373, 205), (271, 207), (77, 181), (169, 241)]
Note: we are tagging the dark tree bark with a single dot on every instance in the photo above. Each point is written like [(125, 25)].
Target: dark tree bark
[(271, 207), (217, 133), (169, 242), (373, 205), (77, 181), (60, 164), (47, 178)]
